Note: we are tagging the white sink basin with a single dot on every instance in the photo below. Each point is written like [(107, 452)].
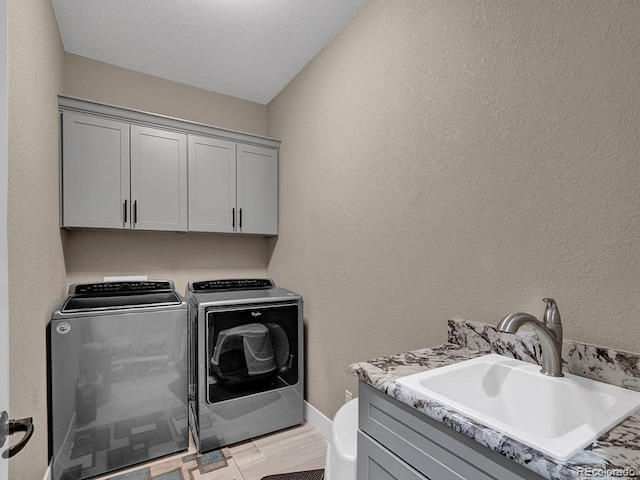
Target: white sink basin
[(558, 416)]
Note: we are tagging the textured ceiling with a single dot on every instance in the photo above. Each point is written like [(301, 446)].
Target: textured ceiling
[(244, 48)]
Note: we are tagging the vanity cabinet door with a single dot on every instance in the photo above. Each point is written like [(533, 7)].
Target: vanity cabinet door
[(158, 179), (257, 195), (212, 185), (377, 463), (95, 172)]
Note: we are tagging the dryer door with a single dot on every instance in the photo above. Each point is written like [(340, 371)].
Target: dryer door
[(251, 348)]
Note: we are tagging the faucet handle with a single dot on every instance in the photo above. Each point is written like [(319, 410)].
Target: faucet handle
[(551, 313)]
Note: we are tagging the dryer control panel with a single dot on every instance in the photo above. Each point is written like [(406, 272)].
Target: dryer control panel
[(232, 284)]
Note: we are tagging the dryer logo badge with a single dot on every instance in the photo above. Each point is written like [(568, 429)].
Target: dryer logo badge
[(63, 328), (256, 314)]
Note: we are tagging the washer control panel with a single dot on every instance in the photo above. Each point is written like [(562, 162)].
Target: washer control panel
[(118, 287)]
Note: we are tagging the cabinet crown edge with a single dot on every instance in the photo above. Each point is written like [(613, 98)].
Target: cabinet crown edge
[(79, 105)]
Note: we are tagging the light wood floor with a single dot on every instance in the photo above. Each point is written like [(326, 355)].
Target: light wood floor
[(294, 449)]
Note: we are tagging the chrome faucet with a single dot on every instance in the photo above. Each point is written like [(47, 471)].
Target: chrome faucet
[(549, 333)]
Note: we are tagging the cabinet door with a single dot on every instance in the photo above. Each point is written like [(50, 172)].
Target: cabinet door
[(377, 463), (158, 179), (257, 198), (95, 172), (212, 185)]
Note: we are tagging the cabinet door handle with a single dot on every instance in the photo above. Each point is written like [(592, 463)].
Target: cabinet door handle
[(240, 219), (125, 212), (135, 212), (233, 217)]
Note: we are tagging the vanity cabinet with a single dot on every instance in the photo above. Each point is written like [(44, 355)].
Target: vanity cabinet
[(233, 187), (130, 170), (398, 442)]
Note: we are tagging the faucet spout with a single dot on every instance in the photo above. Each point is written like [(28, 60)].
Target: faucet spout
[(549, 334)]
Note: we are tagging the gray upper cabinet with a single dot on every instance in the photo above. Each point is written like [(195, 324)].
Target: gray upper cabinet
[(126, 169), (158, 179), (257, 197), (212, 185), (233, 187), (121, 176), (95, 172)]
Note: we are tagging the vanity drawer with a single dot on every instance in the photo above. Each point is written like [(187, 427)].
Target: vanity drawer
[(430, 447), (377, 463)]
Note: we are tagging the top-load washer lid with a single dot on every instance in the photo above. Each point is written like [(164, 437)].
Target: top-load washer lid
[(231, 285), (117, 295)]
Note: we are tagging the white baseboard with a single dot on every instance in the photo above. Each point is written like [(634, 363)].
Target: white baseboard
[(316, 418), (47, 473)]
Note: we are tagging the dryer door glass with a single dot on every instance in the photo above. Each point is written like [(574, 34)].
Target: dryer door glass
[(251, 349)]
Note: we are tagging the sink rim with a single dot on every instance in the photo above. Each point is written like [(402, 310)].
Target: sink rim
[(562, 447)]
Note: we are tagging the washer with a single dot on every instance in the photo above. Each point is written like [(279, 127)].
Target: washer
[(246, 363), (117, 354)]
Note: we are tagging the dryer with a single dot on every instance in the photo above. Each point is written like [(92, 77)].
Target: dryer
[(246, 360)]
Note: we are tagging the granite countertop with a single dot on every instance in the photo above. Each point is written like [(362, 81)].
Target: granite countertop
[(615, 455)]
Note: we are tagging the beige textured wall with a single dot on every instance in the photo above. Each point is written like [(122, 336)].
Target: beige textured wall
[(36, 265), (102, 82), (39, 70), (91, 255), (461, 158)]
